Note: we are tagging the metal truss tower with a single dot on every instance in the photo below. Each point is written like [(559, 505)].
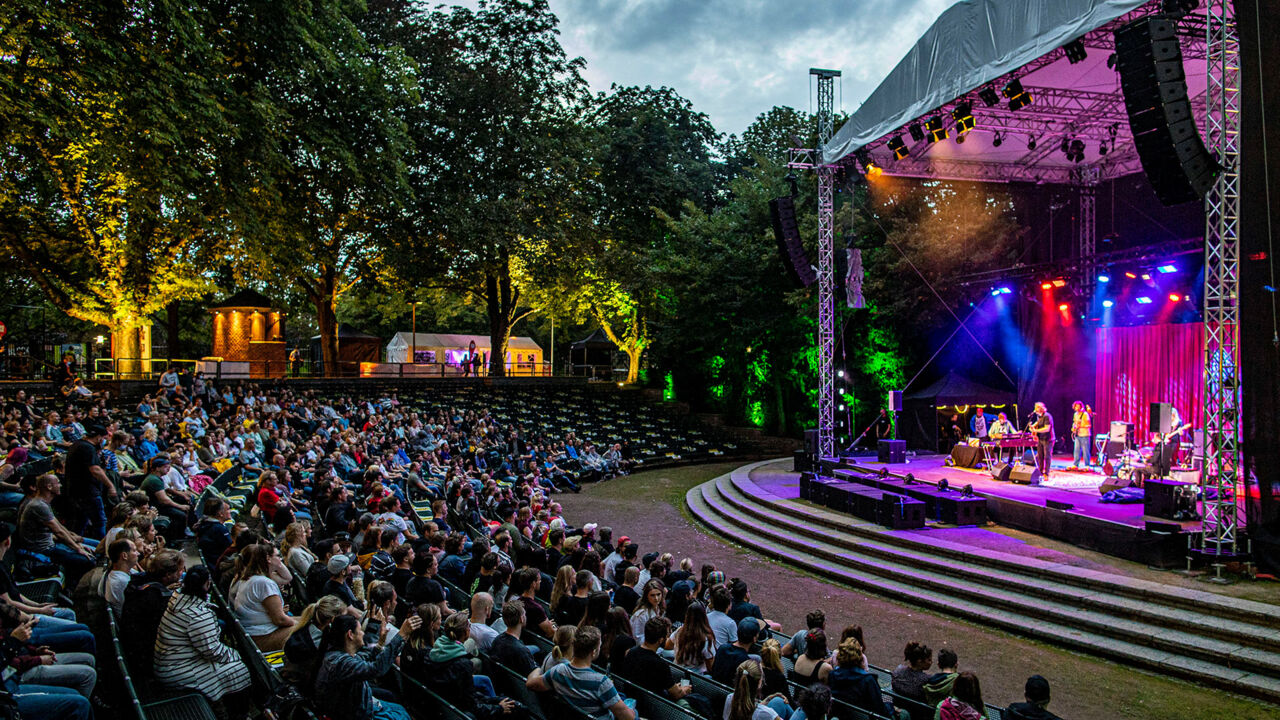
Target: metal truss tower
[(1222, 426), (826, 264)]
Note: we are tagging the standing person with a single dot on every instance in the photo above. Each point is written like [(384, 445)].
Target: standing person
[(295, 362), (87, 482), (1042, 427), (978, 424), (1081, 434), (884, 426)]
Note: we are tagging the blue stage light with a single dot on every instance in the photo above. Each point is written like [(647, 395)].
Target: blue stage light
[(1166, 269), (1144, 300), (1104, 278), (1107, 303)]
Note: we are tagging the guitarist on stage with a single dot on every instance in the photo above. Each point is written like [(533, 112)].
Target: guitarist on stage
[(1170, 444), (1042, 426), (1081, 434)]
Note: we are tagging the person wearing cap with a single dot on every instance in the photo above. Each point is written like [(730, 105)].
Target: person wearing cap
[(340, 570), (87, 482), (167, 505), (730, 655), (614, 557), (1037, 695)]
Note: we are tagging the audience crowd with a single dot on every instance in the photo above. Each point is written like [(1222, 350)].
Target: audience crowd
[(378, 540)]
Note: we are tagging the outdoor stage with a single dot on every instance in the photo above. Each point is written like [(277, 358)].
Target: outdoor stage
[(1120, 530)]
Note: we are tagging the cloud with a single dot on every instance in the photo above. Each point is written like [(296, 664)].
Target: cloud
[(735, 59)]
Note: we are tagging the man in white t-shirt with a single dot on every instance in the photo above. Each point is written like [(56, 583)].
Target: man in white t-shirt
[(123, 555), (481, 634)]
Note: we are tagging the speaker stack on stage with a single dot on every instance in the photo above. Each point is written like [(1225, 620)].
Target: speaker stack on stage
[(1024, 474), (1000, 471), (1173, 156)]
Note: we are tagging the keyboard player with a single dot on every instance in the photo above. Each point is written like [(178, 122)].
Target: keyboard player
[(999, 429)]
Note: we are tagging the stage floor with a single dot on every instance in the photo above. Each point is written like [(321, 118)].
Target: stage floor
[(1077, 487)]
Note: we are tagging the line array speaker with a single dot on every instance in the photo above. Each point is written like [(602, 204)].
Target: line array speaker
[(783, 212)]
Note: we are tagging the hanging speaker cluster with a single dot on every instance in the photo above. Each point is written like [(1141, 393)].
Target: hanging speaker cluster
[(1173, 155), (785, 230)]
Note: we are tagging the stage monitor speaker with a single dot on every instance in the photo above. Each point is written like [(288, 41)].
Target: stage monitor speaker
[(1025, 474), (1113, 483), (1000, 471), (1163, 498), (1161, 417), (895, 401), (1058, 505), (1173, 155), (811, 442), (891, 451), (783, 213), (801, 461)]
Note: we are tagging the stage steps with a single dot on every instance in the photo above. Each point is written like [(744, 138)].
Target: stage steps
[(1106, 615)]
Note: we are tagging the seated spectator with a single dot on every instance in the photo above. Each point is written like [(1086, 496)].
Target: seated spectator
[(775, 676), (44, 540), (746, 702), (723, 627), (626, 595), (302, 650), (213, 536), (652, 604), (123, 556), (297, 556), (526, 583), (561, 646), (615, 639), (732, 655), (815, 620), (343, 680), (813, 664), (507, 649), (812, 703), (481, 634), (694, 642), (33, 700), (189, 654), (644, 667), (415, 657), (423, 588), (965, 702), (939, 686), (910, 677), (850, 683), (744, 608), (580, 685), (403, 556), (1037, 701), (168, 504), (145, 600), (340, 572), (451, 674), (13, 597), (256, 599)]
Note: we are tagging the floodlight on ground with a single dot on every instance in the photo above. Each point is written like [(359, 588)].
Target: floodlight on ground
[(1075, 51), (936, 129), (898, 147)]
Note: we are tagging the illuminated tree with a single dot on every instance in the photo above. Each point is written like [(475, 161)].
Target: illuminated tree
[(117, 124)]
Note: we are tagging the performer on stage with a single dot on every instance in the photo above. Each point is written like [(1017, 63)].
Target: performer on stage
[(884, 426), (1081, 434), (1042, 426), (978, 425), (999, 429), (1169, 446)]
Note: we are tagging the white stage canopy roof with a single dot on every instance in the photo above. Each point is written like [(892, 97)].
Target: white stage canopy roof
[(987, 43)]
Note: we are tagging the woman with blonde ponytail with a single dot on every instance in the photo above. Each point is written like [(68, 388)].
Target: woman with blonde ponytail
[(744, 702), (302, 648)]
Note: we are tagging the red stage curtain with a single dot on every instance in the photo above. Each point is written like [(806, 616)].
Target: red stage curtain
[(1136, 366)]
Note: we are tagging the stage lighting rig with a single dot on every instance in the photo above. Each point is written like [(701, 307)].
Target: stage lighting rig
[(960, 139), (937, 131), (1031, 142), (899, 148), (1102, 148), (1075, 51), (916, 132), (989, 96), (997, 141), (963, 115), (1177, 8), (1017, 95)]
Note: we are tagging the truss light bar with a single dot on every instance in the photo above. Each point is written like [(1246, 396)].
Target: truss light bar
[(1021, 101), (899, 148), (1166, 269), (1144, 300), (916, 132), (1075, 51), (937, 131), (988, 96), (1013, 89)]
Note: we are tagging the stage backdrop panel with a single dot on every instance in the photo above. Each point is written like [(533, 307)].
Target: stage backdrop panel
[(1136, 366)]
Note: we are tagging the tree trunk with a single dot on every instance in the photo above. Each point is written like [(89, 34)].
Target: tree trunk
[(633, 363), (127, 349), (326, 304), (497, 301)]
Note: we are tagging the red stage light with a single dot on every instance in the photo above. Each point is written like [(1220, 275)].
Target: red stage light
[(1258, 255), (1064, 307), (1131, 276), (1175, 297), (1046, 286)]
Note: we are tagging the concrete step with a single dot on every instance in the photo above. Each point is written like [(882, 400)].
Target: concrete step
[(872, 540), (1003, 611)]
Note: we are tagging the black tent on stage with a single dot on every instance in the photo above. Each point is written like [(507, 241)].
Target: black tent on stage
[(927, 413)]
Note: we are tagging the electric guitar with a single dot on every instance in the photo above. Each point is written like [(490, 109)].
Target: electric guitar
[(1169, 435)]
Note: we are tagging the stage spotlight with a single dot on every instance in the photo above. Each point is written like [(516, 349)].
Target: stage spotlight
[(1111, 61), (1104, 278), (1146, 276), (1102, 148), (934, 126), (1143, 300), (1177, 8), (963, 115), (1174, 297), (1168, 269), (839, 373), (874, 171), (1075, 151), (1065, 147), (899, 148), (1064, 307), (995, 292), (863, 157), (1021, 101), (997, 141), (1031, 143), (1059, 282), (916, 132), (989, 96), (1013, 89), (1075, 51), (1046, 286), (1131, 276), (1107, 303)]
